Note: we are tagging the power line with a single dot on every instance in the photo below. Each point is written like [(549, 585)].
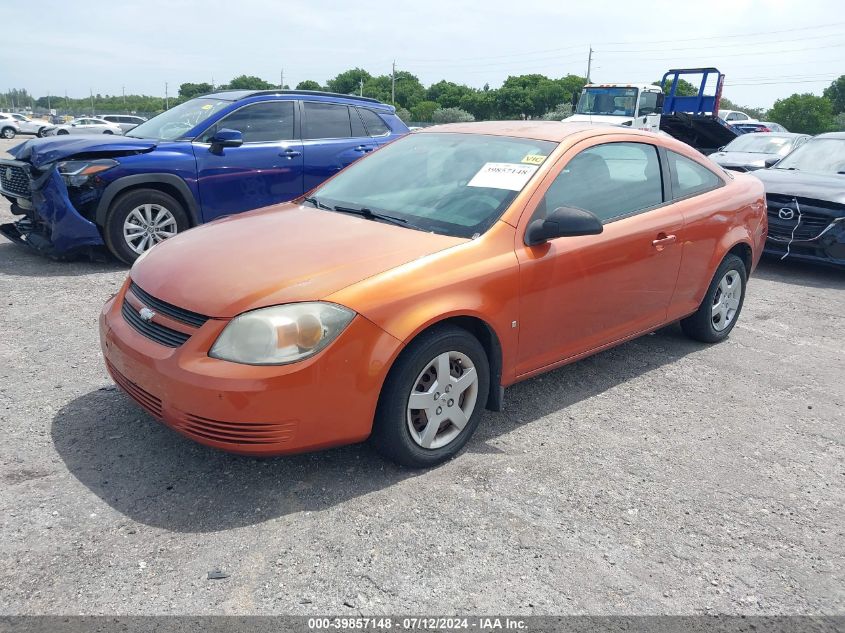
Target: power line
[(714, 46)]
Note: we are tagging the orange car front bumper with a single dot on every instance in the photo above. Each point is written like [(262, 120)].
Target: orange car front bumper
[(323, 401)]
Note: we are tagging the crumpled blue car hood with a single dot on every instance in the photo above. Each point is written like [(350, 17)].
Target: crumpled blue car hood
[(41, 151)]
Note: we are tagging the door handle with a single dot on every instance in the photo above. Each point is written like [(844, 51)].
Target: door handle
[(663, 240), (290, 153), (364, 148)]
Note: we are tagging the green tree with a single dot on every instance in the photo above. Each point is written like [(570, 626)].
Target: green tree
[(835, 93), (451, 115), (447, 93), (348, 82), (404, 114), (481, 104), (250, 82), (189, 90), (423, 110), (685, 88), (803, 113), (308, 84)]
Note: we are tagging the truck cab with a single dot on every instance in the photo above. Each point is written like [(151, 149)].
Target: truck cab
[(635, 105)]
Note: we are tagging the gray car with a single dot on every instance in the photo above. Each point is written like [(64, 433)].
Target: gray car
[(751, 151), (124, 121)]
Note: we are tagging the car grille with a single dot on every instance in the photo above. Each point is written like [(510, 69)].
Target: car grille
[(807, 227), (193, 319), (254, 433), (144, 398), (153, 330), (14, 180)]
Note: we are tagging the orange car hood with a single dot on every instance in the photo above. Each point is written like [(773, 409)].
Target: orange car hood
[(276, 255)]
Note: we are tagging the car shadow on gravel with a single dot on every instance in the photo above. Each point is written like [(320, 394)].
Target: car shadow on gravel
[(799, 273), (156, 477), (21, 261)]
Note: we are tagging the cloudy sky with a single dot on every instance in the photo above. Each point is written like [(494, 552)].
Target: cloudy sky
[(767, 49)]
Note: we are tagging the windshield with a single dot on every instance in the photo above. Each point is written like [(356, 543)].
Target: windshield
[(179, 120), (454, 184), (822, 155), (607, 101), (761, 144)]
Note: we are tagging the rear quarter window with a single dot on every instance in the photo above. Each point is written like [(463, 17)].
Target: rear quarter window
[(690, 178), (375, 125)]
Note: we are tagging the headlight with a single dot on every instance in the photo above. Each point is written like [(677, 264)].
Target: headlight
[(281, 334), (77, 172)]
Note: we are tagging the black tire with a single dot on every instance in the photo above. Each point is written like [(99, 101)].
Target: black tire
[(123, 206), (107, 132), (8, 132), (703, 324), (62, 132), (40, 132), (391, 433)]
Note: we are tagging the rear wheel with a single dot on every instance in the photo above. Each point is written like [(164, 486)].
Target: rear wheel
[(62, 132), (107, 132), (719, 310), (140, 219), (433, 398), (7, 132), (40, 132)]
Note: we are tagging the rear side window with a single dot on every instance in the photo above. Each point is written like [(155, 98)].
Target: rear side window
[(357, 125), (326, 120), (374, 123), (611, 180), (259, 122), (690, 178)]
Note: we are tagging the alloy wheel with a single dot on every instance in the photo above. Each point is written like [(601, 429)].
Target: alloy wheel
[(147, 225), (443, 400)]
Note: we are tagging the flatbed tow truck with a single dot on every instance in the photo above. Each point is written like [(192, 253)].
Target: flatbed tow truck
[(691, 119)]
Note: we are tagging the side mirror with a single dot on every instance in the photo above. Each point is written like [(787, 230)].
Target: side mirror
[(660, 98), (226, 138), (771, 162), (574, 100), (563, 222), (721, 149)]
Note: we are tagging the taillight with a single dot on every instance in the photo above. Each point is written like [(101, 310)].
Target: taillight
[(764, 129)]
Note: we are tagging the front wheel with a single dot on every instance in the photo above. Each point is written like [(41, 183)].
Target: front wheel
[(107, 132), (7, 132), (62, 132), (140, 219), (433, 398), (719, 310), (40, 132)]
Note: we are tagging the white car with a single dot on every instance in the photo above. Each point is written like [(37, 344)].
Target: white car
[(8, 126), (124, 121), (84, 125), (733, 117), (30, 126)]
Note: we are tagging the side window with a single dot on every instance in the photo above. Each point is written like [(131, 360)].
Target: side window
[(610, 180), (648, 103), (374, 123), (690, 178), (258, 123), (731, 117), (357, 125), (326, 120)]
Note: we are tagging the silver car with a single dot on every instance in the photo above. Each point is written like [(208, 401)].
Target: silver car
[(84, 125), (752, 151), (124, 121), (30, 126), (8, 126)]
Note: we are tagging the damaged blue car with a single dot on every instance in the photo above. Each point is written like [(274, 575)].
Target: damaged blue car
[(212, 156)]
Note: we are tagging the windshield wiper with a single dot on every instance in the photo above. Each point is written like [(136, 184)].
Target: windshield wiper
[(364, 212), (316, 203)]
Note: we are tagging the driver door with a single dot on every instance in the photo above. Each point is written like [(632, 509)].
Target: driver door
[(579, 294), (265, 170)]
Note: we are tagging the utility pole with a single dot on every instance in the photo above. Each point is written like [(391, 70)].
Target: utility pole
[(282, 80), (393, 84), (362, 87), (123, 88), (48, 101), (91, 90), (212, 84), (166, 97), (589, 63)]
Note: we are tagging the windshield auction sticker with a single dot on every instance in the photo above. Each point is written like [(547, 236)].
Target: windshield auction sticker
[(511, 176), (533, 159)]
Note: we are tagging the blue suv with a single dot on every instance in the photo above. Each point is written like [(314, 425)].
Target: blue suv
[(206, 158)]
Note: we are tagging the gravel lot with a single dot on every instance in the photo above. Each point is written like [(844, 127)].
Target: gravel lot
[(663, 476)]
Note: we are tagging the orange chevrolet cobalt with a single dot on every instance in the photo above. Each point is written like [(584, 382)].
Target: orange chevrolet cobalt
[(397, 300)]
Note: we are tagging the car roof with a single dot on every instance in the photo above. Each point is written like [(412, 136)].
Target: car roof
[(771, 134), (238, 95), (554, 131), (840, 136)]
